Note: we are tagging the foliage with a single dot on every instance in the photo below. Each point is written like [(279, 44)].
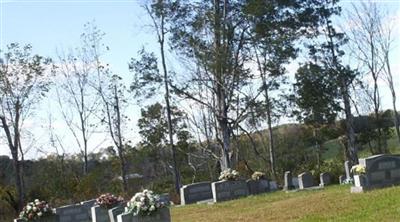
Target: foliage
[(316, 95), (144, 203), (35, 210)]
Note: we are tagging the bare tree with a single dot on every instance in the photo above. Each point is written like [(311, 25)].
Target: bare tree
[(386, 49), (78, 100), (366, 42), (23, 83), (111, 92)]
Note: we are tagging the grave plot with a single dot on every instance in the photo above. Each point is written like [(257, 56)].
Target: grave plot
[(229, 190), (324, 179), (305, 180), (376, 171), (258, 186), (161, 215), (73, 213), (195, 192)]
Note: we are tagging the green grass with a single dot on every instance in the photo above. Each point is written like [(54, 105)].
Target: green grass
[(333, 148), (334, 203)]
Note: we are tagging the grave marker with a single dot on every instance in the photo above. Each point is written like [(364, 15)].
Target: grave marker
[(380, 171), (258, 186), (196, 192), (229, 190), (325, 179), (161, 215), (305, 180), (288, 185)]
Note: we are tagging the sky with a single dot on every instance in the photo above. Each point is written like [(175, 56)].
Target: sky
[(57, 24)]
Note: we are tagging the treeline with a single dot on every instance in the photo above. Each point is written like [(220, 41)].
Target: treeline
[(211, 108)]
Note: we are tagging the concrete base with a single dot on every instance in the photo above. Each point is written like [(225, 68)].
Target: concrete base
[(355, 189), (305, 189), (205, 201)]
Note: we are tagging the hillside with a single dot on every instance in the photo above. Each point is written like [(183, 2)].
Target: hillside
[(334, 203)]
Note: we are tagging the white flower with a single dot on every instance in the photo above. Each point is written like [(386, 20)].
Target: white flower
[(40, 214)]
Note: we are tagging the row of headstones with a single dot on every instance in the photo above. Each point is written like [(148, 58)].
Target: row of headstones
[(224, 190), (304, 180), (87, 211)]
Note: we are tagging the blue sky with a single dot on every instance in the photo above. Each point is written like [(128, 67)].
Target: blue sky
[(49, 25), (52, 25)]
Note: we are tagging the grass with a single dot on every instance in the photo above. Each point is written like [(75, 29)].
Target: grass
[(334, 203), (333, 148)]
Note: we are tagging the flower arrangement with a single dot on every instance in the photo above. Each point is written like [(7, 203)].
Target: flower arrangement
[(35, 210), (358, 169), (144, 203), (348, 181), (229, 174), (257, 175), (108, 200)]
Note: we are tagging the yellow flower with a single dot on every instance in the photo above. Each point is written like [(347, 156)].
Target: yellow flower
[(358, 169)]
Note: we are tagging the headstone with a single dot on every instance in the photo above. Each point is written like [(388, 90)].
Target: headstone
[(72, 213), (195, 192), (114, 212), (99, 214), (342, 178), (325, 179), (380, 171), (229, 190), (50, 218), (305, 180), (347, 169), (288, 185), (166, 200), (273, 185), (258, 186), (295, 182), (87, 205), (161, 215), (239, 189)]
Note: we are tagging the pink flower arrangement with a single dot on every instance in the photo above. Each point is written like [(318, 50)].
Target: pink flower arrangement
[(108, 200)]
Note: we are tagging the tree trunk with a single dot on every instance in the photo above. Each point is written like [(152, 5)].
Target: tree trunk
[(13, 145), (221, 110), (376, 113), (317, 148), (396, 117), (177, 176), (120, 145), (22, 164), (344, 90), (270, 133), (351, 138)]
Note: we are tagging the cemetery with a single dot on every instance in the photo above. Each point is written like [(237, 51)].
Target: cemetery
[(199, 111), (372, 174)]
